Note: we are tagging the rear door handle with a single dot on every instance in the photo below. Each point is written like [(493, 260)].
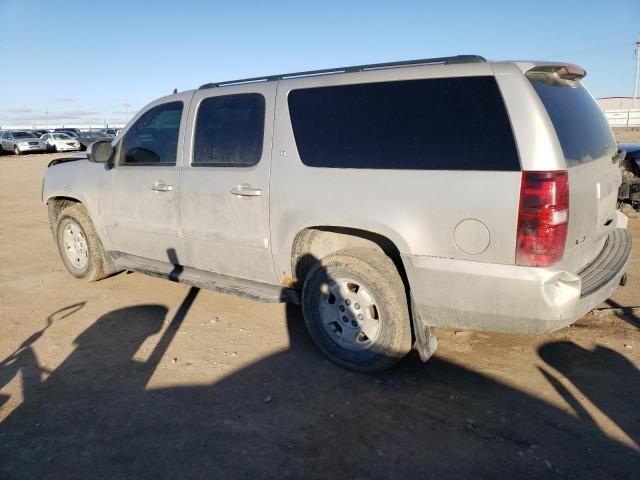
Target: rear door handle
[(245, 190), (161, 187)]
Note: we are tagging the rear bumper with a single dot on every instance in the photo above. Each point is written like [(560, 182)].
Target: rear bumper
[(506, 298)]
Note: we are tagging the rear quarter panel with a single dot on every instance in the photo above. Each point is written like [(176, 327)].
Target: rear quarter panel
[(416, 209)]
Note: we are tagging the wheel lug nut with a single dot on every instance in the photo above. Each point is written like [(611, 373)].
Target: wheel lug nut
[(354, 323), (360, 317), (342, 308), (357, 306), (347, 301), (345, 319)]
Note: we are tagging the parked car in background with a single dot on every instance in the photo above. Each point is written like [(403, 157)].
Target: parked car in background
[(87, 138), (39, 132), (20, 142), (110, 131), (630, 189), (74, 132), (60, 142)]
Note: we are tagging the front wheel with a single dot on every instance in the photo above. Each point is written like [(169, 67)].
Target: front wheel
[(79, 245), (16, 150), (355, 308)]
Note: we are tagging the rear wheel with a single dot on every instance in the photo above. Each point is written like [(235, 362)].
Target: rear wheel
[(355, 309), (78, 244)]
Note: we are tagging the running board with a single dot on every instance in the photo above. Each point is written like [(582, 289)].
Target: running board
[(261, 292)]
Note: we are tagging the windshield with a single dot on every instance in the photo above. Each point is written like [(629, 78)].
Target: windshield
[(24, 135), (61, 136), (582, 129)]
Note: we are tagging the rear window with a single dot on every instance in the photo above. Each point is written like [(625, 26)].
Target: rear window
[(437, 124), (582, 129)]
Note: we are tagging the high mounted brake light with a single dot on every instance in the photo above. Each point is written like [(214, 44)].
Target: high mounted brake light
[(570, 72), (543, 218), (564, 72)]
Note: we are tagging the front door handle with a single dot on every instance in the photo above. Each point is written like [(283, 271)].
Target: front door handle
[(245, 190), (161, 187)]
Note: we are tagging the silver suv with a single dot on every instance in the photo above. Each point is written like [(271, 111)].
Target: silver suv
[(387, 199), (20, 142)]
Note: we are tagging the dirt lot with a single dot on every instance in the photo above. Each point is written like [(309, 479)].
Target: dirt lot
[(627, 134), (136, 377)]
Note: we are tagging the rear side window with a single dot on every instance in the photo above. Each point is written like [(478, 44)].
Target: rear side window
[(582, 129), (153, 139), (229, 131), (434, 124)]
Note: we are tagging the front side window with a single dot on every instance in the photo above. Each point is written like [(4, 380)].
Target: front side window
[(229, 131), (153, 139)]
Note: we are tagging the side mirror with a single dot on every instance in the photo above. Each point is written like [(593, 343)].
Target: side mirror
[(100, 152)]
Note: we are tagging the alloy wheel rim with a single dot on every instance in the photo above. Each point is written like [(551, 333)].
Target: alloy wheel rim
[(349, 314), (75, 245)]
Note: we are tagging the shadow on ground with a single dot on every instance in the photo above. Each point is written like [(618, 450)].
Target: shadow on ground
[(93, 418)]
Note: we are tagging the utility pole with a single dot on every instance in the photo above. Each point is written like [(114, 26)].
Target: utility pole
[(635, 83), (126, 105)]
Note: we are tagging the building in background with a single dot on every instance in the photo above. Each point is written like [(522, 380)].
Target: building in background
[(620, 112), (617, 103)]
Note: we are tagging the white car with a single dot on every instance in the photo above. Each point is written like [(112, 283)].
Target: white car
[(60, 142)]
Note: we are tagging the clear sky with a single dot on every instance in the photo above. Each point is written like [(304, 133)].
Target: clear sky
[(84, 60)]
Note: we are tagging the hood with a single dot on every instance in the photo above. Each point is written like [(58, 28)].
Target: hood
[(70, 158), (633, 148)]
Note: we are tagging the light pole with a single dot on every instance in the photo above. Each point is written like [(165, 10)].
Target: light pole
[(635, 82)]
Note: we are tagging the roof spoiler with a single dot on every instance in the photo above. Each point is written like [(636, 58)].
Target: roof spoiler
[(563, 72)]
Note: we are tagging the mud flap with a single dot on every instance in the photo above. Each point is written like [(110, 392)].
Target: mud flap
[(426, 340)]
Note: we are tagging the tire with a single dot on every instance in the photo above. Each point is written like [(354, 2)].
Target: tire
[(74, 233), (16, 150), (331, 297), (54, 149)]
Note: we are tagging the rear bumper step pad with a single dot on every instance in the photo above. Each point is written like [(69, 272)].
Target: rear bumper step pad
[(608, 263)]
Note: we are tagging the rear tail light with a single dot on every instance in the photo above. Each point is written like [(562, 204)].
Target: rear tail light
[(543, 218)]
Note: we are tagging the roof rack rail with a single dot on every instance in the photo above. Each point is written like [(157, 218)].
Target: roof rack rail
[(355, 68)]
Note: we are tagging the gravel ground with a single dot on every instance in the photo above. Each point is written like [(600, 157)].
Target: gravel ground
[(627, 134), (136, 377)]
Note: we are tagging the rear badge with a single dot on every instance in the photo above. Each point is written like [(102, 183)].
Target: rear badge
[(581, 239)]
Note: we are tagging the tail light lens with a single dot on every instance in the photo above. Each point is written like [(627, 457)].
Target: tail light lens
[(543, 218)]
